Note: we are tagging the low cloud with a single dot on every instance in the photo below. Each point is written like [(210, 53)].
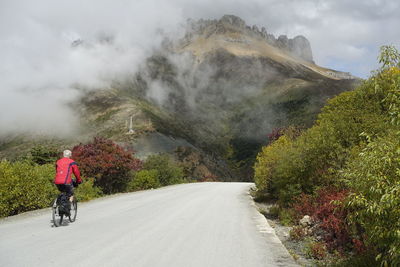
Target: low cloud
[(49, 48)]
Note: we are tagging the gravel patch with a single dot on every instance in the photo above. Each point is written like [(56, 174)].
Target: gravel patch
[(295, 247)]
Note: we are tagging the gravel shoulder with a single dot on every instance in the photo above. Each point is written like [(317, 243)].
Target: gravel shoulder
[(295, 248)]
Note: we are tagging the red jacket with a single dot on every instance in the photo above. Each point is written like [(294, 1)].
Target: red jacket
[(64, 169)]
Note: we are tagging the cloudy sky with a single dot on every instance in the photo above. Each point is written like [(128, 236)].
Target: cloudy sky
[(344, 35), (38, 68)]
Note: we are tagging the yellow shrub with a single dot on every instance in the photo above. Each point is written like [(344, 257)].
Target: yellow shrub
[(24, 186), (267, 159)]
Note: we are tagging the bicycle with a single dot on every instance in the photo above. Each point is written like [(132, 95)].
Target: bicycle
[(58, 213)]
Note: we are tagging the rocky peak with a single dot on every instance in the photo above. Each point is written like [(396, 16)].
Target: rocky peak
[(282, 42), (299, 46), (233, 20)]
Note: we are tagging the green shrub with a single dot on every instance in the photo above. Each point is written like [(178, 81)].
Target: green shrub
[(25, 187), (267, 160), (374, 174), (374, 177), (274, 211), (286, 216), (168, 172), (363, 260), (283, 214), (315, 159), (144, 179), (44, 154), (87, 190)]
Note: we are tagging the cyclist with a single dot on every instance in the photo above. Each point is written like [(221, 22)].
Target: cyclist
[(63, 179)]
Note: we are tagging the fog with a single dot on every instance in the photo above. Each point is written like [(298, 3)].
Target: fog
[(40, 68), (41, 71)]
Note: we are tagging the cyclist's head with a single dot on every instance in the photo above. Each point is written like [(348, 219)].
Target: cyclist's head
[(67, 153)]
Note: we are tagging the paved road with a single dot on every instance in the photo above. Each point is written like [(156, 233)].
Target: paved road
[(202, 224)]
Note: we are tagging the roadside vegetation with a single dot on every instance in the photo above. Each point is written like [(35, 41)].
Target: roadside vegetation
[(158, 170), (343, 172), (107, 168)]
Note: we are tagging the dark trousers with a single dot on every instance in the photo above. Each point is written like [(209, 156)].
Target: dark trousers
[(67, 188)]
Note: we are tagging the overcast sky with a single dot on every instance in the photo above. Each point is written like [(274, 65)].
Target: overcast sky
[(38, 66)]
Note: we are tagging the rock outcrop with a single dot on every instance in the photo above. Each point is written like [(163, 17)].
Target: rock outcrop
[(233, 20), (299, 46)]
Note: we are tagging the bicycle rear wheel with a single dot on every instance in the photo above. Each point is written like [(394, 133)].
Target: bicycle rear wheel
[(73, 211), (57, 216)]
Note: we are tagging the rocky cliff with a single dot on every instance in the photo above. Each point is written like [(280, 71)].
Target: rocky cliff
[(299, 46)]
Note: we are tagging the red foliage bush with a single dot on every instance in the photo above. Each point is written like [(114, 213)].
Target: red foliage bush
[(107, 162), (304, 205), (331, 217), (359, 246)]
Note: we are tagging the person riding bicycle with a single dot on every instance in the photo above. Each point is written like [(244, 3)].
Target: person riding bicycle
[(65, 167)]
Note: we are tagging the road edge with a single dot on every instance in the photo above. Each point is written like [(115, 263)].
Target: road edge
[(281, 255)]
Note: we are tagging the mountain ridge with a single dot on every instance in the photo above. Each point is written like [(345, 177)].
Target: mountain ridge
[(248, 41), (298, 46)]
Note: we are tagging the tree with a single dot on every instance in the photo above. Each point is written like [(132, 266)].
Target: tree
[(387, 82), (108, 163), (41, 154)]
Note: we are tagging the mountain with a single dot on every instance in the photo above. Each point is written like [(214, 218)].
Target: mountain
[(211, 97)]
